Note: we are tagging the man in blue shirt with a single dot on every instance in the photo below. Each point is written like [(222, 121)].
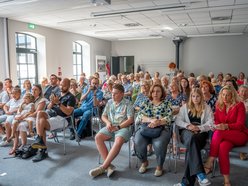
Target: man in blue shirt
[(91, 97)]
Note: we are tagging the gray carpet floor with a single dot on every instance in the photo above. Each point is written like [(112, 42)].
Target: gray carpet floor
[(72, 169)]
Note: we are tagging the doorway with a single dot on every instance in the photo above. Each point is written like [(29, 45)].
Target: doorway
[(122, 64)]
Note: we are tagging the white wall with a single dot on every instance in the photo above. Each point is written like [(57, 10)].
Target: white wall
[(198, 55), (153, 54), (217, 54), (58, 48)]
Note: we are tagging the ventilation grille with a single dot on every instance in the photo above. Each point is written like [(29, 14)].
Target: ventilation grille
[(221, 18), (132, 24)]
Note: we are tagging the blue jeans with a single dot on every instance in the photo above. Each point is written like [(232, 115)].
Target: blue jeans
[(85, 115)]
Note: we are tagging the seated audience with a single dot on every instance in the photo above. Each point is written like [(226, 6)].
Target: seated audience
[(10, 109), (58, 108), (127, 87), (243, 95), (194, 120), (91, 96), (4, 98), (208, 94), (75, 92), (136, 86), (241, 79), (27, 87), (155, 112), (229, 123), (24, 126), (52, 88), (184, 87), (118, 116)]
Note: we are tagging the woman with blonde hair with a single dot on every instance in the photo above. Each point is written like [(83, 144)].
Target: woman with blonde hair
[(230, 131), (195, 119)]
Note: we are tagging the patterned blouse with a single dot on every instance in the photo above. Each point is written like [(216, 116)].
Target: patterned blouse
[(139, 100), (178, 101), (161, 111), (211, 102)]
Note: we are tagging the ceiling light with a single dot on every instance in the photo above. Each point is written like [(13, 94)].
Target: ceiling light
[(140, 38), (167, 28), (135, 10), (100, 2), (217, 34)]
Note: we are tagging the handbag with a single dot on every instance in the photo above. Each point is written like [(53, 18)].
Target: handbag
[(150, 132)]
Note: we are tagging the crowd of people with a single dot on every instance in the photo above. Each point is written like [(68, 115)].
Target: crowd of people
[(201, 108)]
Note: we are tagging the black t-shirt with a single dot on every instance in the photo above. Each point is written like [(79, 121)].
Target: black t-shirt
[(194, 119), (67, 100)]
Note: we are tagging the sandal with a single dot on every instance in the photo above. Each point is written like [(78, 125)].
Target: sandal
[(208, 168)]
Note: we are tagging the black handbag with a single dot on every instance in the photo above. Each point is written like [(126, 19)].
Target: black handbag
[(150, 132)]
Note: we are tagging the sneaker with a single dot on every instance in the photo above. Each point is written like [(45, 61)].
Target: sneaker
[(42, 154), (143, 168), (6, 143), (38, 144), (202, 179), (72, 136), (158, 173), (110, 170), (96, 172)]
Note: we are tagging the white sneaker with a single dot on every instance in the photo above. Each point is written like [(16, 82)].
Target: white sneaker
[(96, 172), (110, 170), (6, 143)]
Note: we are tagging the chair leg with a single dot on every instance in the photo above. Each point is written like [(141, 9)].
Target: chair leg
[(64, 140), (129, 154), (214, 168)]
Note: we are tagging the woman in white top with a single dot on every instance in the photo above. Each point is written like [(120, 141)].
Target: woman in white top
[(194, 120)]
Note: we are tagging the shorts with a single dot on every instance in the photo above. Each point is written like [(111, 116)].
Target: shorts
[(124, 133), (57, 122), (10, 119)]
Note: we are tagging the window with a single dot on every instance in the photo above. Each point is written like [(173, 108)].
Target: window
[(77, 60), (26, 58)]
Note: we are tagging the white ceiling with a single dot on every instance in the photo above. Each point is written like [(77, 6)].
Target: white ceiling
[(195, 19)]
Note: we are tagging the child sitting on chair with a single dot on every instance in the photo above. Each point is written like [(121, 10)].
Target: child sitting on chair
[(25, 109)]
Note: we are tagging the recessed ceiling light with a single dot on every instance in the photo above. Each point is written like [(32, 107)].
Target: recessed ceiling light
[(167, 28)]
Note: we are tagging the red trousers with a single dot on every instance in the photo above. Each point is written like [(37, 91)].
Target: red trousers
[(222, 143)]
